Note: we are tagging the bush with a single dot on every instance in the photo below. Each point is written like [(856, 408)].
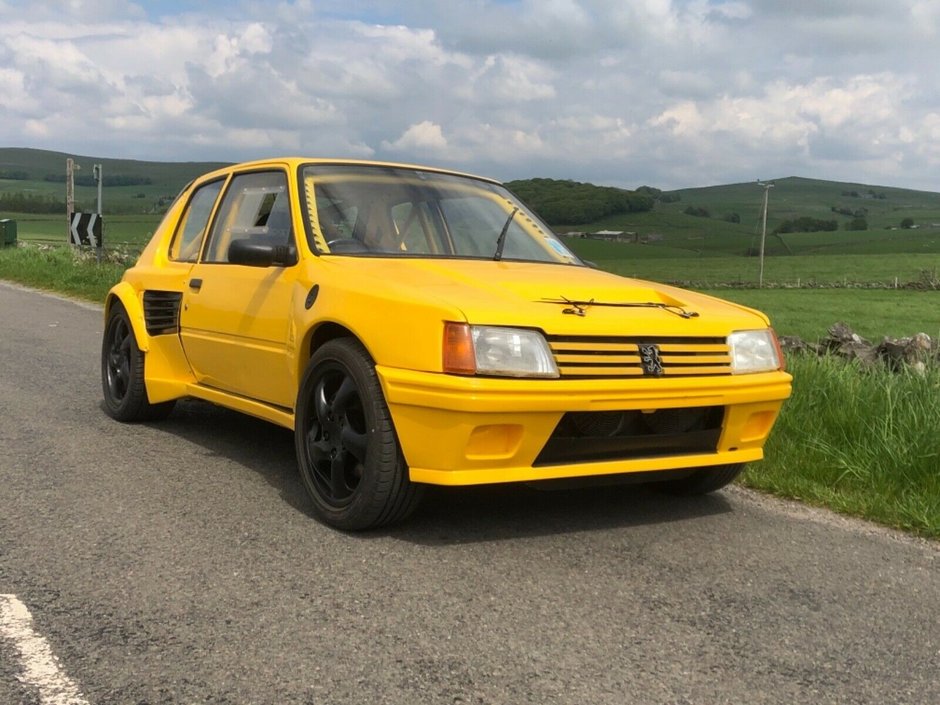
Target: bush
[(806, 224), (857, 224)]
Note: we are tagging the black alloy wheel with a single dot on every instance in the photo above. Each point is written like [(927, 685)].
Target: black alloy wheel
[(347, 449), (122, 373)]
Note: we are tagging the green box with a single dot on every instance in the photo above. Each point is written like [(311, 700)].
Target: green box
[(7, 232)]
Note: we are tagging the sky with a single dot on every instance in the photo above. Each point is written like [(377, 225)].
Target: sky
[(666, 93)]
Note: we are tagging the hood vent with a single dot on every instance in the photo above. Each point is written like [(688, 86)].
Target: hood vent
[(162, 311)]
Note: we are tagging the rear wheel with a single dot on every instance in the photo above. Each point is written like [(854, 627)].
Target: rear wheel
[(122, 373), (703, 480), (347, 450)]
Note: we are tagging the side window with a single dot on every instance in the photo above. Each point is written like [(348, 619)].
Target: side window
[(256, 207), (187, 241)]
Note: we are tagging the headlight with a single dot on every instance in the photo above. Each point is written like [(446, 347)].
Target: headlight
[(754, 351), (493, 350)]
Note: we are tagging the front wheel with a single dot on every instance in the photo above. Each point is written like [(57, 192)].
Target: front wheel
[(122, 373), (703, 480), (347, 450)]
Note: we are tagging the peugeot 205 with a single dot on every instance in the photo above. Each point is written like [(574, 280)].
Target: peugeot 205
[(415, 326)]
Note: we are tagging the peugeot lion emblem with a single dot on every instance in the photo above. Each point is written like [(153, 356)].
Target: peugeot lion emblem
[(651, 360)]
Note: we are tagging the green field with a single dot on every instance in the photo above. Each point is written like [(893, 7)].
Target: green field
[(119, 230)]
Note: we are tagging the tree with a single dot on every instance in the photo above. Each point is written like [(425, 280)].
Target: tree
[(572, 203), (907, 223), (857, 224)]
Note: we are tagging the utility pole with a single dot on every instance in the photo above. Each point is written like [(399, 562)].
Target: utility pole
[(96, 169), (763, 233), (70, 168)]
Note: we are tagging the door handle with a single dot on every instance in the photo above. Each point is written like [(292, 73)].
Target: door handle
[(195, 284)]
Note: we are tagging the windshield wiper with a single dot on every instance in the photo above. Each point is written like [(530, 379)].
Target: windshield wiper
[(578, 308), (501, 241)]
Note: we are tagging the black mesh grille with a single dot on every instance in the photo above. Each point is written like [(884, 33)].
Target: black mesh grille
[(162, 311), (594, 436)]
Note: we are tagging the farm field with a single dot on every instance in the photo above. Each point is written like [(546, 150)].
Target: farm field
[(119, 230), (872, 313), (669, 264)]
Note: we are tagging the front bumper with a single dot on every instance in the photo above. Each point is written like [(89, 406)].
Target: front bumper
[(472, 430)]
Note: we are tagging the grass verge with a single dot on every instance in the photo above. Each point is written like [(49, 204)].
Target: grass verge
[(861, 442), (62, 269)]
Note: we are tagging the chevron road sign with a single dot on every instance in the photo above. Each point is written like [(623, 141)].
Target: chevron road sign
[(85, 229)]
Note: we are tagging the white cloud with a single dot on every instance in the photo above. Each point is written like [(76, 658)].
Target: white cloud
[(665, 92), (424, 136)]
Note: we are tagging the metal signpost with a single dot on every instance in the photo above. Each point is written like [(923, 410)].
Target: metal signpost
[(83, 229)]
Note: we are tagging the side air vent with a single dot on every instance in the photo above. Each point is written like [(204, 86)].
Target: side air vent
[(162, 311)]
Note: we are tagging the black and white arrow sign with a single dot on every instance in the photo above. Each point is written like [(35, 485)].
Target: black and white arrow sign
[(85, 229)]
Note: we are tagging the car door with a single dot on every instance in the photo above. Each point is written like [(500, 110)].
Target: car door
[(235, 322)]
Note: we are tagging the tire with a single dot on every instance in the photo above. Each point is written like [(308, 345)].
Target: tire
[(122, 373), (347, 450), (703, 480)]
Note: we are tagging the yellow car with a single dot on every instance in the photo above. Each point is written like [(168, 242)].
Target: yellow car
[(417, 326)]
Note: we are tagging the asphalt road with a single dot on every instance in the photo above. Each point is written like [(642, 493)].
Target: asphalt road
[(178, 563)]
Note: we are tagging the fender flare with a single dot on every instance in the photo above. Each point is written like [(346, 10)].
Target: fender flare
[(127, 296)]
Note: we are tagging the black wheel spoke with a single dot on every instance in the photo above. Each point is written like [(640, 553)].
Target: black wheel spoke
[(355, 443), (319, 452), (338, 476), (344, 395), (321, 406)]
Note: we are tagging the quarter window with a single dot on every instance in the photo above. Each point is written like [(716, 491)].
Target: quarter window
[(192, 228)]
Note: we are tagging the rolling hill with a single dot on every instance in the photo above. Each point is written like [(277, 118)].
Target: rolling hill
[(730, 228)]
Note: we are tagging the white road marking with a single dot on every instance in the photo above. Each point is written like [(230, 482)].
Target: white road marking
[(40, 667)]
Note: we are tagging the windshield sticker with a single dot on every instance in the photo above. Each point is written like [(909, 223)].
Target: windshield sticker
[(558, 247)]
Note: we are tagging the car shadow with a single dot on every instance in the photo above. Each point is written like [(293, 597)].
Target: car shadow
[(448, 515), (504, 512), (262, 447)]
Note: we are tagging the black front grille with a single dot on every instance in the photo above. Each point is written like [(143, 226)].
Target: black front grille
[(595, 436), (599, 357), (162, 311)]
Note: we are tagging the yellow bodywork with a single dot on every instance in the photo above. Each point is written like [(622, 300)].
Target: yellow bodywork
[(247, 334)]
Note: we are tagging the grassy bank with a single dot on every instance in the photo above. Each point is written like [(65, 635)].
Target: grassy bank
[(63, 270), (861, 443)]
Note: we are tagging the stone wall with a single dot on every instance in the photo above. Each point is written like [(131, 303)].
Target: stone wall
[(916, 352)]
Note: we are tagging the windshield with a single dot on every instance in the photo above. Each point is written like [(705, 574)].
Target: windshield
[(401, 212)]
